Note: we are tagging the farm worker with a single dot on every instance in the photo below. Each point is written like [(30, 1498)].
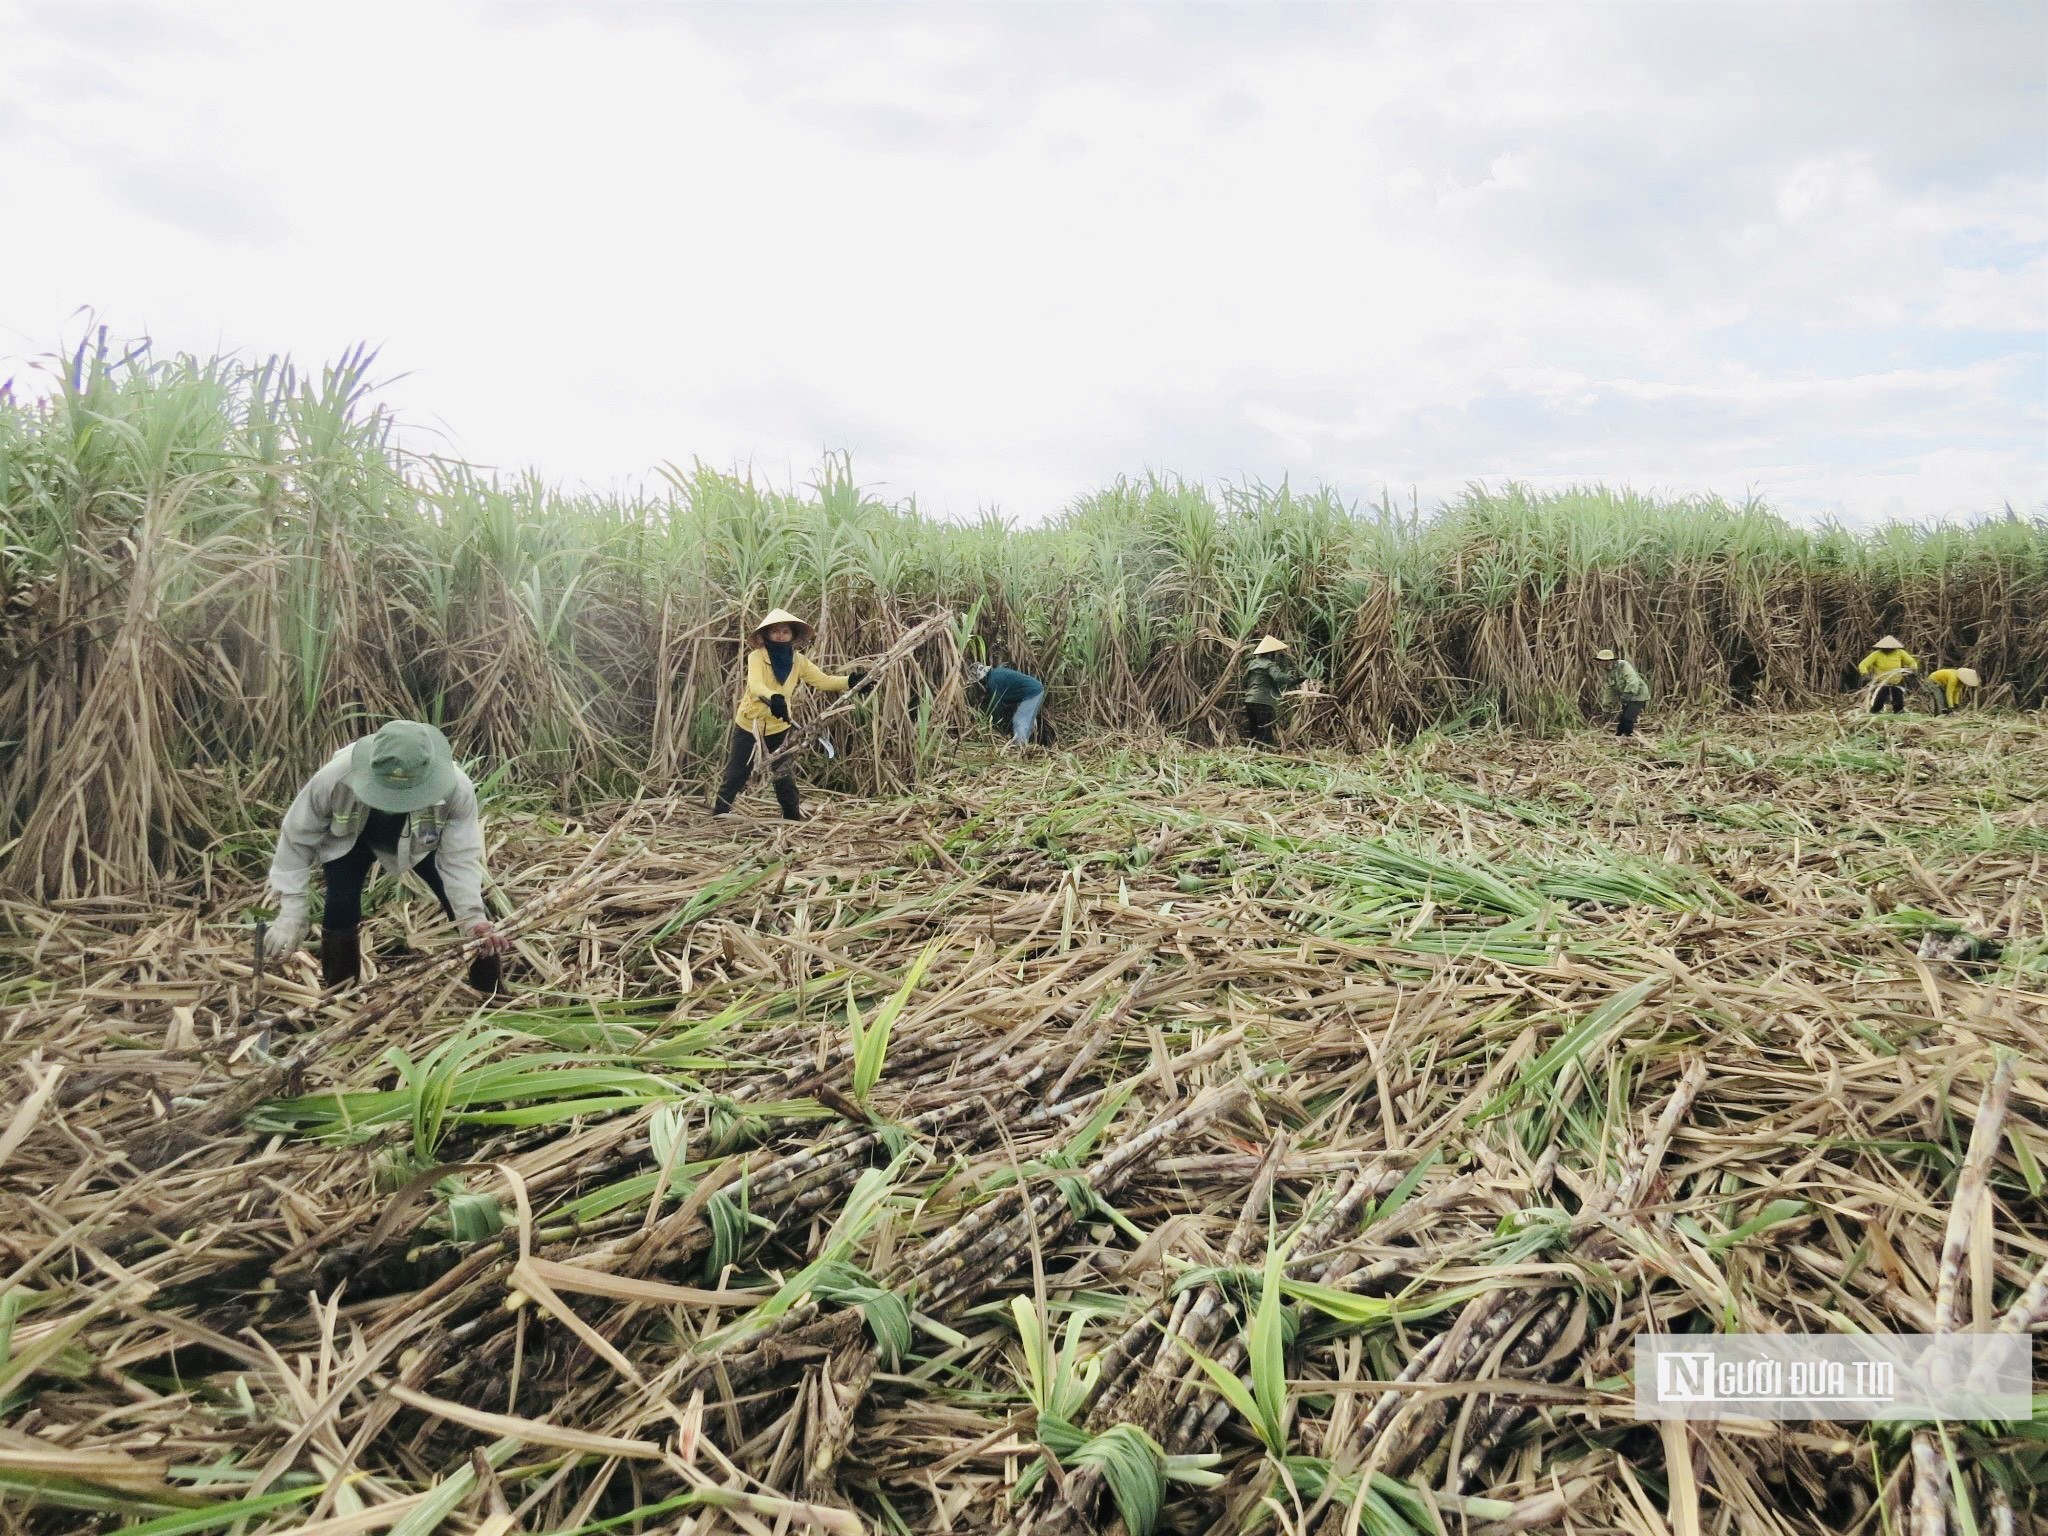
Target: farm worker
[(395, 799), (1624, 687), (1011, 695), (1948, 684), (1266, 677), (1889, 666), (775, 669)]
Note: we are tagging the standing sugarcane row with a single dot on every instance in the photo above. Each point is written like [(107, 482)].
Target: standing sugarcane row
[(397, 800)]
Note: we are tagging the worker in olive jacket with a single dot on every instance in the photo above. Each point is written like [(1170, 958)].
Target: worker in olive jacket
[(1266, 678), (1624, 690)]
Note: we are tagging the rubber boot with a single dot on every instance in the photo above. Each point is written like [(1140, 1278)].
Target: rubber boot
[(486, 973), (785, 796), (341, 956)]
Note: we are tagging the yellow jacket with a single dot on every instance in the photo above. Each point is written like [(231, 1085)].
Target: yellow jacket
[(754, 713), (1884, 663), (1949, 683)]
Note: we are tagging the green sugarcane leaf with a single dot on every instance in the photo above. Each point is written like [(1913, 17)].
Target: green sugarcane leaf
[(1267, 1347), (1134, 1467)]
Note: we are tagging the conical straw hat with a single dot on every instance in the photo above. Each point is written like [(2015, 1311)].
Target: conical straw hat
[(1968, 676), (784, 616), (1603, 655), (1269, 645), (1891, 643)]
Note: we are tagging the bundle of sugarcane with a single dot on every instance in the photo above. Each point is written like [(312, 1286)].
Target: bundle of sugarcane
[(779, 1194), (800, 736), (1154, 1377), (1502, 1332), (1138, 1375), (818, 1354), (977, 1087)]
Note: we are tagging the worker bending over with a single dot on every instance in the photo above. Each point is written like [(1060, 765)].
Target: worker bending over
[(1011, 697), (1948, 684), (1266, 678), (1624, 691), (395, 799)]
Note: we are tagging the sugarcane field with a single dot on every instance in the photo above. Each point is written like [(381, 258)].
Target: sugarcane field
[(873, 768), (1256, 1057)]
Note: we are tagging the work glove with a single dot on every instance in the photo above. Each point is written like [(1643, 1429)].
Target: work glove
[(287, 930), (778, 706), (857, 679)]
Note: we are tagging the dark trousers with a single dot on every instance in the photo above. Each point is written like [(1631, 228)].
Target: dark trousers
[(739, 762), (1625, 722), (346, 876), (1258, 724), (1892, 694)]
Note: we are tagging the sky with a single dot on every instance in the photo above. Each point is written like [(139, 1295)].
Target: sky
[(1002, 253)]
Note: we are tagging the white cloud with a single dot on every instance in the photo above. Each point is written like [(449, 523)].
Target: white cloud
[(1004, 253)]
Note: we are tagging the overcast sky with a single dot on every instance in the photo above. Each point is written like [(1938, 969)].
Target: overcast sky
[(1003, 253)]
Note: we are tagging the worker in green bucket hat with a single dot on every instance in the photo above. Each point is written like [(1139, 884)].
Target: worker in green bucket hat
[(396, 799)]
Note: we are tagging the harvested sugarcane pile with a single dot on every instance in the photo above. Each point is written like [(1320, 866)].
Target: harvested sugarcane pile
[(1122, 1140)]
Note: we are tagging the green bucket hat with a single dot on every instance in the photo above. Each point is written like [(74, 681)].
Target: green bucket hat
[(404, 767)]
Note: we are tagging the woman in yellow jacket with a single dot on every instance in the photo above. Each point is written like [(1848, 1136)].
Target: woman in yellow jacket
[(1948, 684), (1889, 666), (775, 670)]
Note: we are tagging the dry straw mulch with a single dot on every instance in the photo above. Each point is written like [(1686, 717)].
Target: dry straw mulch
[(1402, 1090)]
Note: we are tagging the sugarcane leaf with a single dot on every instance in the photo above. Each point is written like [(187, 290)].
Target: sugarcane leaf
[(871, 1045), (1195, 1470), (1082, 1142), (229, 1512), (1233, 1389), (1032, 1335), (447, 1495), (1576, 1042), (1267, 1344), (1775, 1214), (1959, 1484), (1134, 1467), (857, 1035), (1399, 1195), (886, 1314), (472, 1218), (1367, 1311)]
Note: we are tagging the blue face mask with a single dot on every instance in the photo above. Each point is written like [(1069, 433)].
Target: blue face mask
[(781, 657)]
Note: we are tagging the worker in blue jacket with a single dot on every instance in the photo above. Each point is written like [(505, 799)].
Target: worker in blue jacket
[(1011, 695)]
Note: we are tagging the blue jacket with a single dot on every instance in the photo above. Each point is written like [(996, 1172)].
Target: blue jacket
[(1006, 685)]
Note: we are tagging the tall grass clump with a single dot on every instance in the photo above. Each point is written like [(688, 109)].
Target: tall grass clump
[(213, 572)]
